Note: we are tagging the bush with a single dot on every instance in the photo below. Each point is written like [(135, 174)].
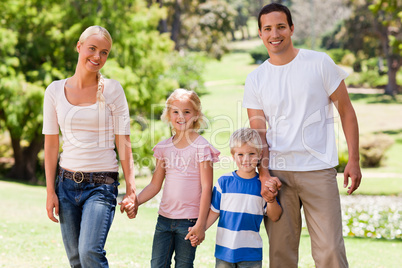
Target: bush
[(343, 161), (259, 54), (337, 54), (372, 149)]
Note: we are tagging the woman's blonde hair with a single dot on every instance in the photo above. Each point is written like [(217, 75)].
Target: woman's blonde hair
[(247, 136), (184, 94), (92, 30)]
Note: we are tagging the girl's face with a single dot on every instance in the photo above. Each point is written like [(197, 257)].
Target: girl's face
[(182, 115), (93, 53)]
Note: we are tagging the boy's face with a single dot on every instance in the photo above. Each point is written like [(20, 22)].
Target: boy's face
[(246, 158)]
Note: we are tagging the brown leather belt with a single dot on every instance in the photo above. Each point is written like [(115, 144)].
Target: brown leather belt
[(97, 177)]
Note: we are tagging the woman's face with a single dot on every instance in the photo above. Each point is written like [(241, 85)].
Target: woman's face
[(93, 52)]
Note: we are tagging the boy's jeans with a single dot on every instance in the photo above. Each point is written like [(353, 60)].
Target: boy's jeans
[(169, 237), (86, 212), (242, 264)]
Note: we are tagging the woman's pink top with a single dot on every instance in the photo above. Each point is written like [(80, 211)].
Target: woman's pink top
[(182, 190)]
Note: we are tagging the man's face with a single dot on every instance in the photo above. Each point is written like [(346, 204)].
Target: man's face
[(276, 33)]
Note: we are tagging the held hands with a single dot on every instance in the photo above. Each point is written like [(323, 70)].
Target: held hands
[(193, 237), (129, 204), (270, 188)]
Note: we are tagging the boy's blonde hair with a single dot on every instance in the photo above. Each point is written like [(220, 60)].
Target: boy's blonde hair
[(184, 94), (247, 136)]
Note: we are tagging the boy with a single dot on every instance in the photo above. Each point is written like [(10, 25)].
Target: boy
[(237, 202)]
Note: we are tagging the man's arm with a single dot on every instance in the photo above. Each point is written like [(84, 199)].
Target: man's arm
[(351, 130), (258, 122)]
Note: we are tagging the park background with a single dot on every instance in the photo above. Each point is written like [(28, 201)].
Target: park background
[(208, 46)]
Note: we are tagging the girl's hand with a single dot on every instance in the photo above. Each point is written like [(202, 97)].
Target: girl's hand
[(130, 206), (196, 235), (193, 239)]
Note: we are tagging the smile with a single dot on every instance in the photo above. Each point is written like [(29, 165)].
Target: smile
[(276, 42), (94, 63)]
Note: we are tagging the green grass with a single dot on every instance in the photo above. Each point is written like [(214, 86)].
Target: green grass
[(29, 239)]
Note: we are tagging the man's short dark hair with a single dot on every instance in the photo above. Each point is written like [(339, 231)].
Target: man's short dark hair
[(272, 8)]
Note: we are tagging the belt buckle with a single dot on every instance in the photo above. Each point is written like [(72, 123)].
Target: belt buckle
[(82, 177)]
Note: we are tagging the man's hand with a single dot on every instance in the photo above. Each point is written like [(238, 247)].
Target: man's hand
[(270, 187), (352, 171)]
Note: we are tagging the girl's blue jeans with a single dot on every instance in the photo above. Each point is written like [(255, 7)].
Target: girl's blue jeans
[(169, 237), (86, 212)]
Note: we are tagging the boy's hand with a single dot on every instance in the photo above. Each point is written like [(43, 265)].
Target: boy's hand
[(193, 237), (273, 186)]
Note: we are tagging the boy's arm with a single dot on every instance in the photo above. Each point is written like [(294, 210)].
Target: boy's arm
[(155, 185), (274, 211), (212, 217)]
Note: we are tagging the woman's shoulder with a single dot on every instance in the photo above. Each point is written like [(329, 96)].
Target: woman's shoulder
[(56, 86)]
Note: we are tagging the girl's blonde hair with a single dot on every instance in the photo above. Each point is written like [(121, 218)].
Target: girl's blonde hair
[(93, 30), (247, 136), (184, 94)]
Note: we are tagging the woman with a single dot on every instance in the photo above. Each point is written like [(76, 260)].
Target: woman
[(92, 114)]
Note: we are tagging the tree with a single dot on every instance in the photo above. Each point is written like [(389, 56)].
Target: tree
[(37, 41), (372, 30), (388, 27)]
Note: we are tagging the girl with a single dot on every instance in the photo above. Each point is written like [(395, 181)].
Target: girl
[(92, 113), (185, 160)]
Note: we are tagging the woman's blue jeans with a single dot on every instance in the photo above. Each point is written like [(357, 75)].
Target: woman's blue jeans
[(86, 212), (169, 237)]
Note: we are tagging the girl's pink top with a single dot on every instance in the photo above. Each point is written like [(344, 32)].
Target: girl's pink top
[(182, 190)]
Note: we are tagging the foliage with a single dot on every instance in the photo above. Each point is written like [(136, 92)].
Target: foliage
[(343, 159), (259, 54), (37, 42), (373, 30), (187, 70), (337, 54), (372, 149), (205, 30)]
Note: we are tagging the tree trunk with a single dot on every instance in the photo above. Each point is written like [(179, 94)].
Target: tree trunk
[(26, 159), (162, 27), (176, 24), (393, 67)]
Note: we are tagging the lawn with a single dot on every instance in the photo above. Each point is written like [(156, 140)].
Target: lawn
[(29, 239)]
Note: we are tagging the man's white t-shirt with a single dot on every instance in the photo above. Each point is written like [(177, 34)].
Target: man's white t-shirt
[(88, 131), (295, 99)]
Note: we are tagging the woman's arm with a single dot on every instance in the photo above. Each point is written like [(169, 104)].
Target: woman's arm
[(123, 145), (155, 185), (51, 158)]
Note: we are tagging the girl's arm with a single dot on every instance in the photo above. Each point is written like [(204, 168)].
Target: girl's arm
[(206, 172), (123, 145), (155, 185), (51, 158)]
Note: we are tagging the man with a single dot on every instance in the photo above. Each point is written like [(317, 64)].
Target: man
[(294, 91)]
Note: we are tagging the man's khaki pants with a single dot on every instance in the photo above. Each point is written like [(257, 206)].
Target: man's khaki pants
[(317, 191)]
